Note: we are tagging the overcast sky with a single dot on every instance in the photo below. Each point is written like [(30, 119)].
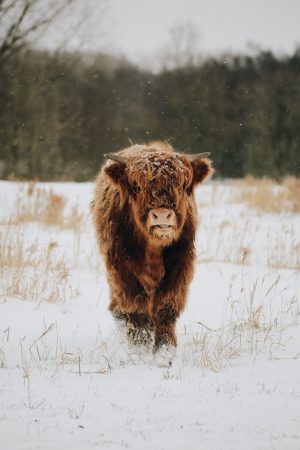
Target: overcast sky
[(139, 27)]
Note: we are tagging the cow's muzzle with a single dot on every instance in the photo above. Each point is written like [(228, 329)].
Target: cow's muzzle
[(163, 219)]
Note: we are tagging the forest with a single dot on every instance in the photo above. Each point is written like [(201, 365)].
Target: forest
[(60, 112)]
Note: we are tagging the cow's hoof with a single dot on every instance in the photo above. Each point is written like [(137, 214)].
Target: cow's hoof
[(138, 354), (164, 356)]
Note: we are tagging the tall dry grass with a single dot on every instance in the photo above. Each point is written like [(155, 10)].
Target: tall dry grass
[(32, 271), (33, 268), (228, 215), (36, 204), (269, 196), (252, 325)]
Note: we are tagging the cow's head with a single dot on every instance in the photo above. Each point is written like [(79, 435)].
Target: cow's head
[(158, 186)]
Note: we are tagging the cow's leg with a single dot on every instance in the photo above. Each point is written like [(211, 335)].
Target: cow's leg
[(133, 308), (140, 329), (165, 337), (165, 322)]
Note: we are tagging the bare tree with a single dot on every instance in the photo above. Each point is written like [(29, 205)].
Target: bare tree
[(22, 21), (182, 48)]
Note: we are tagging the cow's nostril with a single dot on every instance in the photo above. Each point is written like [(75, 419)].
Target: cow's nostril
[(169, 216), (155, 216)]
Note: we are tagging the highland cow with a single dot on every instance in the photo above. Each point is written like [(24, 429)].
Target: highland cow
[(145, 217)]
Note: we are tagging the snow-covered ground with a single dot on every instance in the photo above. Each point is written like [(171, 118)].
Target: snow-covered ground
[(67, 377)]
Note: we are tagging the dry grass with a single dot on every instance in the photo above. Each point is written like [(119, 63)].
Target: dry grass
[(250, 326), (31, 272), (240, 235), (269, 196), (35, 262), (35, 204), (250, 242)]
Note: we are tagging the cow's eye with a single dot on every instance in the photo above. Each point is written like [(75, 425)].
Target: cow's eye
[(135, 188)]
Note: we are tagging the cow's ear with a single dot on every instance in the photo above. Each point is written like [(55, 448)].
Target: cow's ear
[(117, 173), (202, 169)]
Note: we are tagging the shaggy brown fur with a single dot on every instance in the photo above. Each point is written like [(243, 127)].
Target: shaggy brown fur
[(148, 275)]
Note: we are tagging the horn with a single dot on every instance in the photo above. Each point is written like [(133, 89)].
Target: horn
[(200, 155), (117, 158)]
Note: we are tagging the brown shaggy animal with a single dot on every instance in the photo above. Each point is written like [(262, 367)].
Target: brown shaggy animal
[(145, 217)]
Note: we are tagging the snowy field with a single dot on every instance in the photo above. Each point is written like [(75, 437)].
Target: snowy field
[(67, 377)]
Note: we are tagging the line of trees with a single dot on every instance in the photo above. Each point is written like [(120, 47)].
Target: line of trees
[(61, 112)]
